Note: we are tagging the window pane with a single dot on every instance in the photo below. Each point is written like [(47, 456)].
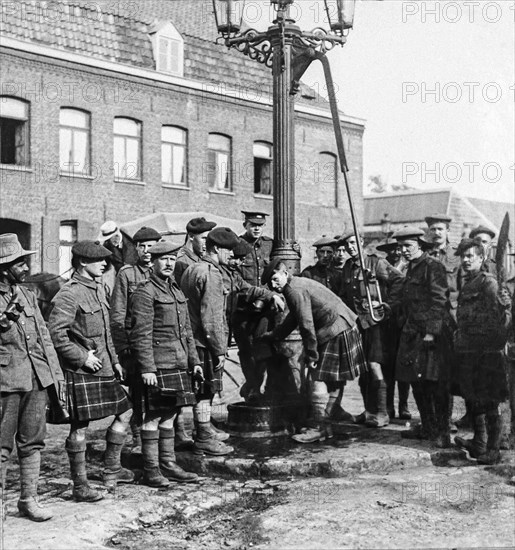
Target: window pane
[(218, 142), (119, 156), (132, 167), (163, 56), (126, 127), (262, 150), (80, 154), (222, 172), (73, 117), (179, 166), (65, 149), (13, 108), (174, 56), (173, 134), (166, 163)]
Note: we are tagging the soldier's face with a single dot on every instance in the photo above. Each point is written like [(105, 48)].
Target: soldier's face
[(471, 260), (164, 265), (224, 256), (438, 232), (236, 262), (17, 271), (93, 268), (339, 255), (199, 243), (325, 255), (279, 281), (351, 246), (410, 250), (142, 250), (254, 230)]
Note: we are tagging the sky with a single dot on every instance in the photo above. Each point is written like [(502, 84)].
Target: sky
[(434, 82)]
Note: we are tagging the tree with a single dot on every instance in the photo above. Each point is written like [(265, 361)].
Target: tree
[(376, 184)]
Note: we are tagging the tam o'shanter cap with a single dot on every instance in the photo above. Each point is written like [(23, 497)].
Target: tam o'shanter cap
[(408, 232), (241, 249), (386, 246), (481, 229), (146, 234), (199, 225), (91, 250), (224, 237), (164, 247), (324, 241), (467, 243), (255, 217), (11, 249), (437, 218), (269, 270)]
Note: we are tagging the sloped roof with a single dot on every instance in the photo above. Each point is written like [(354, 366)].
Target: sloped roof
[(118, 32), (405, 207), (495, 212)]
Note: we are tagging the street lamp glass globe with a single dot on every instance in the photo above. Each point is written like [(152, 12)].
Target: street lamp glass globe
[(228, 15)]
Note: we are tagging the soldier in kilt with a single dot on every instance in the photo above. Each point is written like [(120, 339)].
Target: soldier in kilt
[(332, 341), (425, 356), (483, 320), (79, 326), (166, 357)]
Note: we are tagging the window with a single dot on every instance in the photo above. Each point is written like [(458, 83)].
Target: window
[(218, 169), (262, 168), (173, 155), (127, 149), (168, 47), (67, 238), (328, 180), (74, 138), (14, 131)]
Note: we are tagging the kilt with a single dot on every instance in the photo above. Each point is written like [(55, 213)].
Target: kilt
[(212, 374), (93, 397), (341, 358), (173, 390), (373, 343)]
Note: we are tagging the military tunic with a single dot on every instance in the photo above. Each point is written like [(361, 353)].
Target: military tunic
[(330, 277), (452, 267), (257, 259), (185, 258)]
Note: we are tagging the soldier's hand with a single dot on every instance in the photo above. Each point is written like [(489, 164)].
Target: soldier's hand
[(278, 302), (429, 340), (119, 372), (312, 365), (149, 379), (221, 362), (198, 373), (93, 363)]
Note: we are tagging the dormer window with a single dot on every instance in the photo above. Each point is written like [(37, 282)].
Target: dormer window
[(168, 47)]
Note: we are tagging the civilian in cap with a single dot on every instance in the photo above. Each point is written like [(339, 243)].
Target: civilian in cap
[(332, 342), (340, 254), (323, 271), (79, 326), (481, 369), (425, 355), (352, 291), (121, 248), (127, 280), (166, 358), (195, 247), (205, 286), (29, 372)]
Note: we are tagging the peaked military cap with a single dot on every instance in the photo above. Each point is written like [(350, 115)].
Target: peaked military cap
[(481, 229), (199, 225), (255, 217), (224, 237), (164, 247), (91, 250), (408, 232), (146, 234), (241, 249), (324, 241), (437, 218), (467, 243)]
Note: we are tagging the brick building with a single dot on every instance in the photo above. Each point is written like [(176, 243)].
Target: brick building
[(118, 110)]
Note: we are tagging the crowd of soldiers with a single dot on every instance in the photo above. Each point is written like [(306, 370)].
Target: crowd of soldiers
[(150, 339)]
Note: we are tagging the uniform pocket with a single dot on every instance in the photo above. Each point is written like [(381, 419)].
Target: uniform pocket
[(91, 320), (5, 358)]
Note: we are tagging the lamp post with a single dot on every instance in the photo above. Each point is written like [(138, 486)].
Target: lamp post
[(288, 51)]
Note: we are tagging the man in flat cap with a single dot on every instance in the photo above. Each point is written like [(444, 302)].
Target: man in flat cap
[(425, 357), (80, 329), (195, 246), (205, 286), (332, 342), (322, 271), (28, 369), (164, 351), (127, 280)]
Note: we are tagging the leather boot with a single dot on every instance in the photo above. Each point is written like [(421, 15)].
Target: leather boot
[(466, 422), (182, 439), (380, 419), (420, 431), (494, 429), (82, 492), (218, 434), (404, 413), (169, 467), (113, 472), (205, 442), (136, 438), (152, 475), (477, 445), (28, 506)]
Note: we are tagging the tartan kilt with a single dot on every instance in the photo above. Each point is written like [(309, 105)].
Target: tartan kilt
[(213, 376), (173, 390), (341, 358), (91, 397)]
